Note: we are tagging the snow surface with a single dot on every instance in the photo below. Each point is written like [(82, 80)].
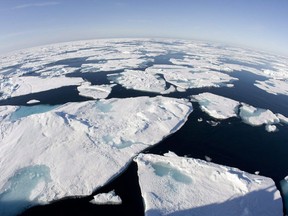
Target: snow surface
[(172, 185), (257, 116), (184, 77), (17, 86), (220, 107), (101, 135), (217, 106), (273, 86), (94, 91), (107, 198)]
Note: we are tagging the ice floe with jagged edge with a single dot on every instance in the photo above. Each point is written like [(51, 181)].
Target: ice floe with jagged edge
[(109, 198), (17, 86), (173, 185), (141, 80), (97, 138), (274, 86), (220, 107), (95, 91), (180, 78)]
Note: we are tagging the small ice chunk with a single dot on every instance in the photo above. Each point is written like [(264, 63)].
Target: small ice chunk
[(173, 185), (33, 101), (199, 119), (271, 128), (283, 119), (207, 158), (213, 123), (109, 198), (217, 106)]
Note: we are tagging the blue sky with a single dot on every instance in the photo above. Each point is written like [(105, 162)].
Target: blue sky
[(261, 24)]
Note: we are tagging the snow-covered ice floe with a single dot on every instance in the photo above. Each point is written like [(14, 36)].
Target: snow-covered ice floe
[(273, 86), (220, 107), (97, 138), (173, 185), (109, 198), (17, 86), (94, 91), (217, 106), (180, 78)]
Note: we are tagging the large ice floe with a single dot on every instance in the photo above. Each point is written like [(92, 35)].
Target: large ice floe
[(173, 185), (154, 78), (96, 138), (273, 86), (17, 86), (220, 107)]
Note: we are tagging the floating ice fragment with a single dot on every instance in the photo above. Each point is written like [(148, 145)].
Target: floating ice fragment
[(33, 101), (185, 186), (17, 86), (217, 106), (257, 116), (96, 91), (109, 198), (270, 128), (273, 86)]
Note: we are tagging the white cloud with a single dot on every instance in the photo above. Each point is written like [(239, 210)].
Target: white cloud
[(42, 4)]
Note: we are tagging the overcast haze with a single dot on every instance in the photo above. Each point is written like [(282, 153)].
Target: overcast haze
[(260, 24)]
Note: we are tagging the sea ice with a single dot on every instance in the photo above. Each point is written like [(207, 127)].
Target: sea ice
[(17, 86), (172, 185), (257, 116), (94, 91), (109, 198), (97, 138), (217, 106), (273, 86), (184, 77), (141, 80), (271, 128)]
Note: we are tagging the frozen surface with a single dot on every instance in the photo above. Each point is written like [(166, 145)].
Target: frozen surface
[(141, 80), (109, 198), (184, 77), (257, 116), (97, 138), (220, 107), (274, 86), (17, 86), (172, 185), (95, 91), (217, 106)]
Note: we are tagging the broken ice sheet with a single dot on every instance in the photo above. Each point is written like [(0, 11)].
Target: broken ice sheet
[(273, 86), (82, 143), (172, 185), (217, 106), (94, 91)]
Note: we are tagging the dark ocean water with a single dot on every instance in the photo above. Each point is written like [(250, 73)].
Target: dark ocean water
[(231, 142)]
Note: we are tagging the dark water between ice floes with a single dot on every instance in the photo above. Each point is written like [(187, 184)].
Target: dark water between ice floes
[(230, 143)]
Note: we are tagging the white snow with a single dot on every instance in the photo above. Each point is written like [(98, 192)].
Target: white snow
[(109, 198), (271, 128), (220, 107), (184, 77), (172, 185), (17, 86), (141, 80), (94, 91), (257, 116), (33, 101), (273, 86), (217, 106), (97, 138)]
